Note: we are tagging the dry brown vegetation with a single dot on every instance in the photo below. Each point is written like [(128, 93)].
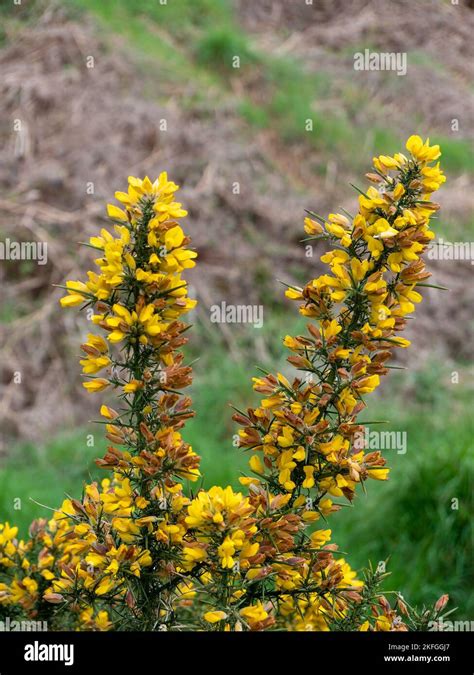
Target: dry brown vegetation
[(81, 126)]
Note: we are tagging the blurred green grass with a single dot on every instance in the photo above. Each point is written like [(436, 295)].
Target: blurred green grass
[(41, 475)]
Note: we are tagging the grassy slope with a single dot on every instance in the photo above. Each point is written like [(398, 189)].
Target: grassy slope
[(197, 41), (201, 38)]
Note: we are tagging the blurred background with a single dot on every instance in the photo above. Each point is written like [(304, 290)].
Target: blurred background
[(256, 110)]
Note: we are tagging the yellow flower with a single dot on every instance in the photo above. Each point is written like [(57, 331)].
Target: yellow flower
[(132, 386), (256, 464), (193, 555), (96, 385), (382, 624), (214, 617), (319, 538), (422, 151), (105, 585), (309, 477), (367, 384), (139, 324), (96, 359), (116, 213), (378, 473), (77, 294), (7, 533), (312, 227), (225, 551), (330, 329), (217, 505), (254, 614)]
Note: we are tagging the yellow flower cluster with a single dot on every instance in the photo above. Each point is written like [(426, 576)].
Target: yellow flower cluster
[(304, 431), (98, 550), (140, 550)]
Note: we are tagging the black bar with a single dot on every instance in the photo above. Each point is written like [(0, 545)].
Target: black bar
[(431, 652)]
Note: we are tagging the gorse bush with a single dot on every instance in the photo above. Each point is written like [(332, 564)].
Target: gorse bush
[(142, 550)]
